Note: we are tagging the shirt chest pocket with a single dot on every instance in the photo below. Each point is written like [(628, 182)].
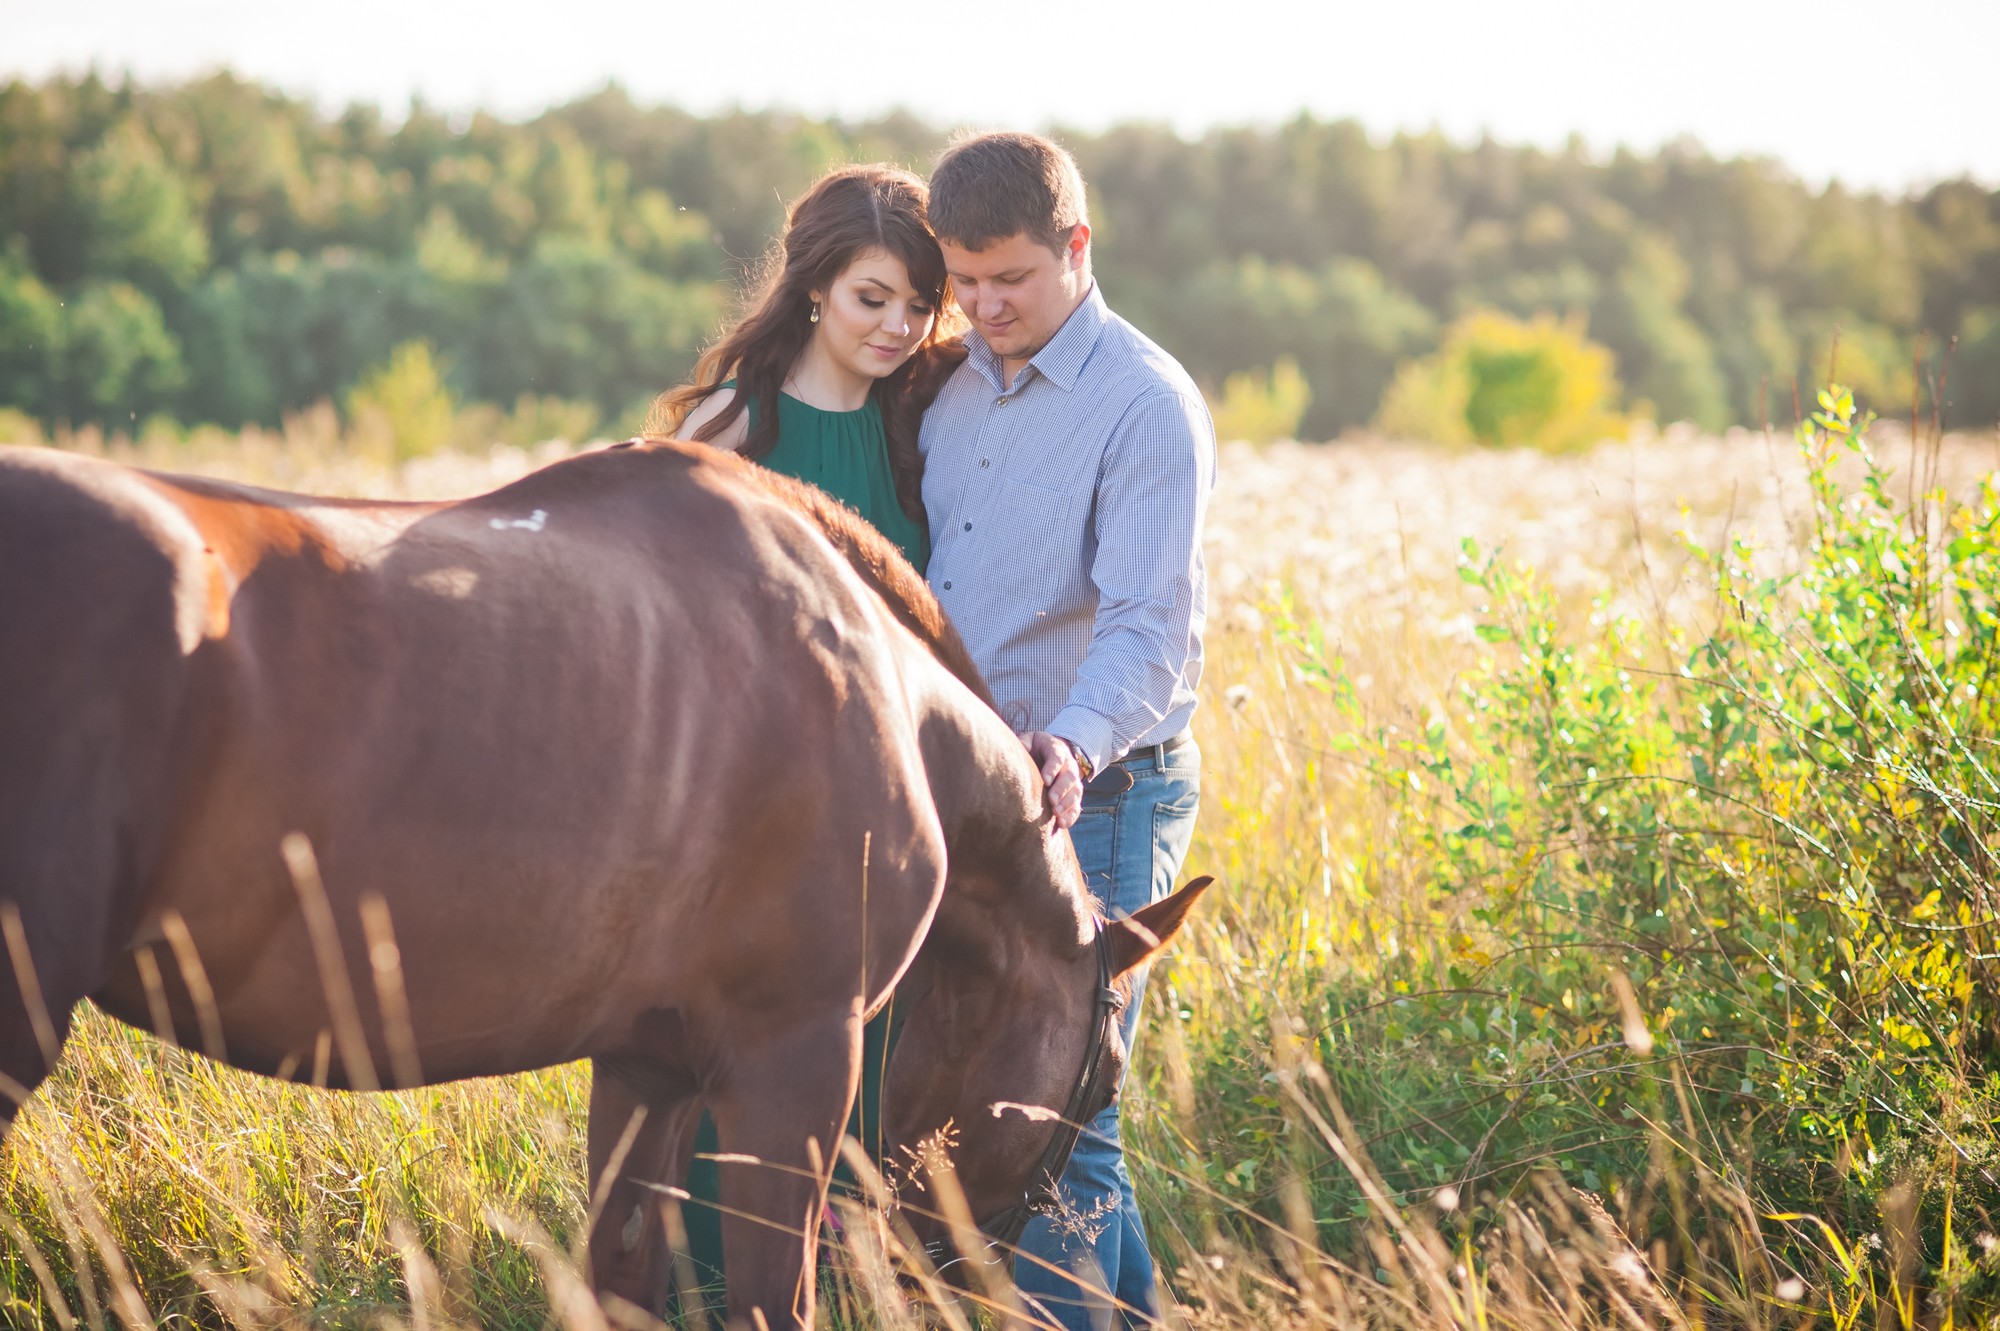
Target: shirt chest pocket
[(1035, 527)]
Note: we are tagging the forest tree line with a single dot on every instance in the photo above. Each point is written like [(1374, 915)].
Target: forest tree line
[(217, 251)]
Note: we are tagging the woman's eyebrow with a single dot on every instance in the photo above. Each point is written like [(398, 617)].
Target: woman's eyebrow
[(878, 282)]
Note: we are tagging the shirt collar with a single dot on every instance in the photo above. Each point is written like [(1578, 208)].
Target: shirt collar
[(1061, 361)]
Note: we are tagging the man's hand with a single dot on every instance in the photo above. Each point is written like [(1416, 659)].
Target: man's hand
[(1062, 781)]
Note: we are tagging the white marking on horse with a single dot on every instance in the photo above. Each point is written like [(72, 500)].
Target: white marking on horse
[(453, 583), (535, 521), (1033, 1113)]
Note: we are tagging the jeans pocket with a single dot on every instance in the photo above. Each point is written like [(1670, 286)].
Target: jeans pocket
[(1095, 839)]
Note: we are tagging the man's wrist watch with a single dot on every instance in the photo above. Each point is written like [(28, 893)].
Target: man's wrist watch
[(1083, 766)]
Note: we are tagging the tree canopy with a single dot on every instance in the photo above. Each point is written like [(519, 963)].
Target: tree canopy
[(218, 251)]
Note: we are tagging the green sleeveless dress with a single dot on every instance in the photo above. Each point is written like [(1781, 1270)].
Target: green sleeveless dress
[(846, 454)]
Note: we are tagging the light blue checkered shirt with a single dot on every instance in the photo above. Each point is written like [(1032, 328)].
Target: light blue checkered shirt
[(1066, 521)]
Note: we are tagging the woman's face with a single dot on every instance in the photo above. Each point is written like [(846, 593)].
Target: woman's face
[(870, 317)]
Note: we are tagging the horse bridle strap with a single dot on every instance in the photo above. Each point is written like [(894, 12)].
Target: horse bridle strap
[(1040, 1197)]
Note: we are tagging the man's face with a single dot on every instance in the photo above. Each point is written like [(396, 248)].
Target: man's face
[(1017, 292)]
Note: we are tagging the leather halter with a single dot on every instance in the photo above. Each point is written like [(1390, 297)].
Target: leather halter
[(1039, 1197)]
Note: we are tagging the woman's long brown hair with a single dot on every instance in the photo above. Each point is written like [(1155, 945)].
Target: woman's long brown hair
[(851, 210)]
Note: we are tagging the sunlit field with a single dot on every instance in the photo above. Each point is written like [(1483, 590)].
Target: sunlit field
[(1605, 938)]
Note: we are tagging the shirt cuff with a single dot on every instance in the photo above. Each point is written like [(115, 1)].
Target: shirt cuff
[(1088, 731)]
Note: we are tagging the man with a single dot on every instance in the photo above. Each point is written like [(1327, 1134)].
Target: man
[(1067, 468)]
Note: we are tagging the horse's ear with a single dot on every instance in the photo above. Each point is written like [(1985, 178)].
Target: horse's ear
[(1145, 933)]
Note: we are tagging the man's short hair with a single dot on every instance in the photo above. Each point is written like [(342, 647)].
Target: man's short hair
[(992, 186)]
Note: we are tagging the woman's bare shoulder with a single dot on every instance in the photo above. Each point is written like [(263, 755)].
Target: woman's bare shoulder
[(708, 409)]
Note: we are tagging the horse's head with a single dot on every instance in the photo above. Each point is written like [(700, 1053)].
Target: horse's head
[(1011, 1039)]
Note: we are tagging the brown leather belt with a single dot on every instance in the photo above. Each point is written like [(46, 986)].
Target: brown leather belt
[(1157, 752), (1116, 778)]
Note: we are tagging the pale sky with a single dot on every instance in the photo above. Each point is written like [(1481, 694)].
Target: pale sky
[(1878, 94)]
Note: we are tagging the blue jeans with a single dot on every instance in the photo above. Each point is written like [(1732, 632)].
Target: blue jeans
[(1130, 844)]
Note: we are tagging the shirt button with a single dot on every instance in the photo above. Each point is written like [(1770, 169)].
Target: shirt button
[(986, 462), (968, 526), (947, 585), (999, 401)]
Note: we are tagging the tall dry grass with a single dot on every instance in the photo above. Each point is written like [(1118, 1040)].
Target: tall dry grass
[(147, 1186)]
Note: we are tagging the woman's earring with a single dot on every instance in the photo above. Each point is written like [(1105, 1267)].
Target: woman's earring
[(813, 318)]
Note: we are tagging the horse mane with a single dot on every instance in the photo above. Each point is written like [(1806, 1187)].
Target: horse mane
[(877, 561), (1011, 845)]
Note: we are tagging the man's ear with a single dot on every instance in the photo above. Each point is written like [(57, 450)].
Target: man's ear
[(1144, 934), (1078, 248)]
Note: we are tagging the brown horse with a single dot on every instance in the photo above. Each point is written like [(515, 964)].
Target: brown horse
[(630, 756)]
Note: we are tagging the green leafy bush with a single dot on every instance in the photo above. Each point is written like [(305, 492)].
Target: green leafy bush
[(1260, 406), (402, 406), (1712, 902), (1505, 381), (18, 427)]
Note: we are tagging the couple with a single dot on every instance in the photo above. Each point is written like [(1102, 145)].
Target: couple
[(1050, 476)]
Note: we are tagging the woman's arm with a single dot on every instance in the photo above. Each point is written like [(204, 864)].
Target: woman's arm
[(714, 405)]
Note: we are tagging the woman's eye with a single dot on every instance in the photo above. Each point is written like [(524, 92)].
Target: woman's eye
[(921, 311), (872, 303)]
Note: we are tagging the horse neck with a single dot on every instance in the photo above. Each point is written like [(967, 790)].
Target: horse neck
[(1007, 874)]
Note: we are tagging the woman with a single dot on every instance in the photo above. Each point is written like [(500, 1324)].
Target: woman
[(822, 380)]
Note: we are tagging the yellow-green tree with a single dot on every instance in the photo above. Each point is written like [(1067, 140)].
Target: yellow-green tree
[(1508, 382)]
